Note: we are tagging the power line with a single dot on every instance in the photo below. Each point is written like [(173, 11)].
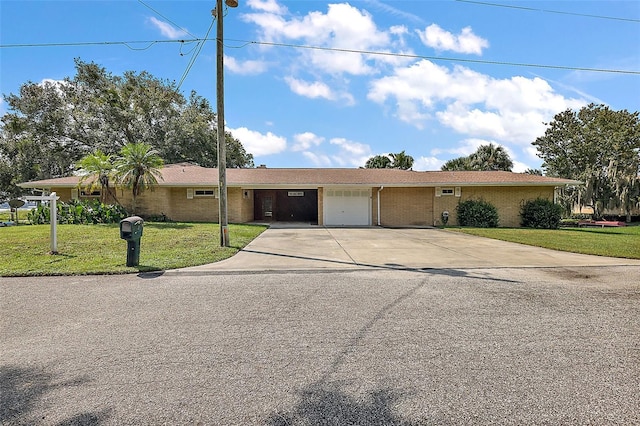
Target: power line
[(533, 9), (94, 43), (334, 49), (439, 58), (195, 56), (165, 18)]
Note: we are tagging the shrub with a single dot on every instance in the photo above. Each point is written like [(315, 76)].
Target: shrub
[(79, 212), (477, 213), (540, 213)]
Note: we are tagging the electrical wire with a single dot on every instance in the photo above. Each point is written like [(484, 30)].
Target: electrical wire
[(165, 18), (331, 49), (198, 49), (533, 9), (438, 58)]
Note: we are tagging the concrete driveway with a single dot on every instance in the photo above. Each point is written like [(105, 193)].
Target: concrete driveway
[(283, 247)]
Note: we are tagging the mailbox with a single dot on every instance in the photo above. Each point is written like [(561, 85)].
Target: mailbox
[(131, 230)]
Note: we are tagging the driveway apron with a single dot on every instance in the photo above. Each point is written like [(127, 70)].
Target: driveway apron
[(320, 248)]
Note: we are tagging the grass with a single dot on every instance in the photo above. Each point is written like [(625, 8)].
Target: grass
[(614, 242), (98, 249)]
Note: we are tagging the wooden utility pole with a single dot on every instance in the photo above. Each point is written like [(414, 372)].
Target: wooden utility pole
[(222, 151)]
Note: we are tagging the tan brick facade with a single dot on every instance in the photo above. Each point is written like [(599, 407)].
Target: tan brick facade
[(399, 206), (404, 206), (507, 200)]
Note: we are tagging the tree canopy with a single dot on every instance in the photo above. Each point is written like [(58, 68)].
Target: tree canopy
[(486, 158), (600, 147), (51, 125), (400, 160)]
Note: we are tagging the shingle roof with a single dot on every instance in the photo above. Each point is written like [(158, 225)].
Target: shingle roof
[(195, 176)]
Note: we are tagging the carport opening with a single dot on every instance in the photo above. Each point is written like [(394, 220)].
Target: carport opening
[(286, 205)]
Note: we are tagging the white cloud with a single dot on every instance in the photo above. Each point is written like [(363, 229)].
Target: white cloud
[(167, 30), (427, 163), (313, 90), (511, 110), (318, 160), (269, 6), (306, 140), (316, 90), (342, 27), (351, 153), (519, 167), (259, 144), (395, 11), (464, 148), (442, 40), (249, 67)]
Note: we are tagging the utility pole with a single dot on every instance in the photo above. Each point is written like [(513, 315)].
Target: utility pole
[(222, 151)]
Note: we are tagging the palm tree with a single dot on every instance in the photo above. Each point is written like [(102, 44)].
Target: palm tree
[(401, 161), (99, 166), (491, 157), (457, 164), (138, 168), (378, 162)]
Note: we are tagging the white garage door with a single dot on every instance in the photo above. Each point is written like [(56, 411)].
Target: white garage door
[(347, 206)]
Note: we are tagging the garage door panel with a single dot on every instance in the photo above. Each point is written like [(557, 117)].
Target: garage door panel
[(347, 206)]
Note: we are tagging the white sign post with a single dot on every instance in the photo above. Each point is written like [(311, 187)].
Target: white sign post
[(54, 216)]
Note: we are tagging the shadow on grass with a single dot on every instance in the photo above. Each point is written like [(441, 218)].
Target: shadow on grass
[(21, 390), (597, 231)]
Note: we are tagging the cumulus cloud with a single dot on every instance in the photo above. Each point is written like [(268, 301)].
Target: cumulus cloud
[(306, 140), (317, 89), (167, 30), (260, 144), (442, 40), (350, 153), (248, 67), (269, 6), (427, 163), (475, 104), (342, 26), (318, 160)]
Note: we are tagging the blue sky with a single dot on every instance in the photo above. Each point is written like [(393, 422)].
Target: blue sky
[(445, 84)]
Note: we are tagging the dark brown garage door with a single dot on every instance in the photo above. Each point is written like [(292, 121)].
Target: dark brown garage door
[(286, 205)]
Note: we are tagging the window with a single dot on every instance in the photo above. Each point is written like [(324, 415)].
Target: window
[(205, 193), (447, 191), (84, 193)]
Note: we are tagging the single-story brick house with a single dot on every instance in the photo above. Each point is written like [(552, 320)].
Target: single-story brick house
[(331, 197)]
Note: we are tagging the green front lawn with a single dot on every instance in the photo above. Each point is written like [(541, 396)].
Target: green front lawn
[(98, 249), (614, 242)]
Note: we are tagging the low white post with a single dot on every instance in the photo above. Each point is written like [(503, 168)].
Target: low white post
[(53, 216)]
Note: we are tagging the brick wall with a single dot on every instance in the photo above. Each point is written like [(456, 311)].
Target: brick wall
[(404, 206), (507, 200)]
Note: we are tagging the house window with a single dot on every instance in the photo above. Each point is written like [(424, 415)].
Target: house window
[(205, 193), (89, 194), (448, 191)]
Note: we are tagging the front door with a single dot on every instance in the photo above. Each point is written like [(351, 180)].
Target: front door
[(263, 206)]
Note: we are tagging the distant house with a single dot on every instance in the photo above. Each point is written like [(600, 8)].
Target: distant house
[(331, 197)]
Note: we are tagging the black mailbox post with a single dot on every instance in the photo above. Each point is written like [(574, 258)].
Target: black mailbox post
[(131, 230)]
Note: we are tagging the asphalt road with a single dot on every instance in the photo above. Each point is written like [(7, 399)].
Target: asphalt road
[(369, 347)]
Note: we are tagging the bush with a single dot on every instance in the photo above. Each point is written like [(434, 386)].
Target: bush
[(477, 213), (541, 213), (79, 212)]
